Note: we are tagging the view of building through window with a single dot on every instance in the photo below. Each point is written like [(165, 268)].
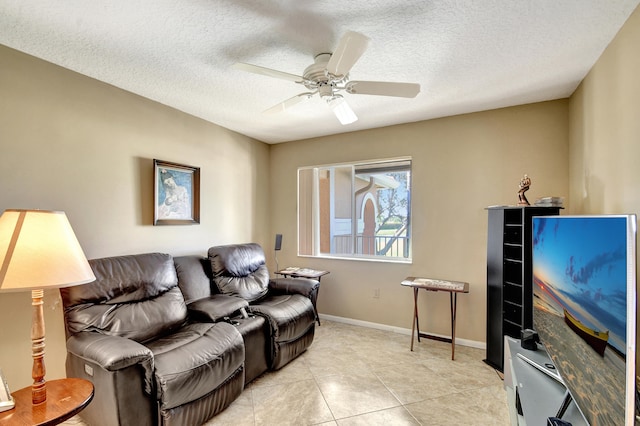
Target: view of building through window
[(355, 210)]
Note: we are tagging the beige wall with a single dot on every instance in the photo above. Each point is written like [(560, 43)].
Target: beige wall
[(71, 143), (461, 165), (604, 131)]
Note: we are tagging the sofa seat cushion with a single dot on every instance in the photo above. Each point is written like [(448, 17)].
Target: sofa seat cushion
[(194, 360), (289, 315)]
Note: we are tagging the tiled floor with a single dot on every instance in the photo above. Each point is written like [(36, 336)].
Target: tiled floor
[(360, 376)]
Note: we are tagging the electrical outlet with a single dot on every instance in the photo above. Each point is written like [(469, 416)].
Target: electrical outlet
[(376, 293)]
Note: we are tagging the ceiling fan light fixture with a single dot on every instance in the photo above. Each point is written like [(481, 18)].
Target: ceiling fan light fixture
[(342, 110), (329, 74)]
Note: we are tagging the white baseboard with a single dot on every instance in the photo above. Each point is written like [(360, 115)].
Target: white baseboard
[(399, 330)]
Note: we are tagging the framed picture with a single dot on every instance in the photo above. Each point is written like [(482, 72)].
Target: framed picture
[(176, 197)]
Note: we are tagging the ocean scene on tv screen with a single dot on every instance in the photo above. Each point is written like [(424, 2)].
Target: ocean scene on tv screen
[(580, 274), (580, 269)]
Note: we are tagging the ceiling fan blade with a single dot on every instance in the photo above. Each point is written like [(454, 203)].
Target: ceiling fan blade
[(342, 110), (283, 106), (256, 69), (351, 46), (383, 88)]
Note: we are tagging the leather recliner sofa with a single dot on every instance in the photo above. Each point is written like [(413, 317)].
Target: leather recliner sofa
[(240, 270), (173, 341)]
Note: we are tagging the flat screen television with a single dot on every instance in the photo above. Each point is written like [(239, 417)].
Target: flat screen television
[(584, 297)]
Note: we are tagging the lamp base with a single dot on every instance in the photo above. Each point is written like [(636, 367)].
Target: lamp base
[(38, 393), (38, 389)]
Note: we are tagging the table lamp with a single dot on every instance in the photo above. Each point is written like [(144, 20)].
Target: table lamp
[(38, 250)]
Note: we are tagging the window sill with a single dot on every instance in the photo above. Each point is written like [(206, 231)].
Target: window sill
[(402, 261)]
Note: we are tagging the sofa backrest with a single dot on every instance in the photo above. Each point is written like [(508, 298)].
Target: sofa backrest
[(194, 277), (135, 296), (240, 270)]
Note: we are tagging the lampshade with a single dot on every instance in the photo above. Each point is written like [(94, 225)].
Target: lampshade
[(38, 249)]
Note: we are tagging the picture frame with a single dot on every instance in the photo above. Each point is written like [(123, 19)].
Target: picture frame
[(176, 193)]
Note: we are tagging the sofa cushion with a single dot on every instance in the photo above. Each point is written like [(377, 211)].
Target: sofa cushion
[(195, 360), (139, 321), (304, 286), (134, 296), (257, 344), (291, 319), (194, 277), (124, 279), (240, 270), (216, 307), (290, 315)]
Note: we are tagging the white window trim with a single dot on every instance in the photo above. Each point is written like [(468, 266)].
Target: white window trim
[(316, 219)]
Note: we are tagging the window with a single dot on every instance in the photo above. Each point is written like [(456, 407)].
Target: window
[(359, 210)]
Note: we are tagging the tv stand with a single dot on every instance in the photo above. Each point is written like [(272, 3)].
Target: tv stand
[(540, 360), (535, 390)]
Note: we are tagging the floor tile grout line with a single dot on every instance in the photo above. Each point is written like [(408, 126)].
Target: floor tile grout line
[(402, 404), (315, 379)]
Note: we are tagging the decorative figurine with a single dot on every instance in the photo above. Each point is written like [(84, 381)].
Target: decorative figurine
[(524, 185)]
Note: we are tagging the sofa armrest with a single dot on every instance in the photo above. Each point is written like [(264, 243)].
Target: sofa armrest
[(304, 286), (216, 307), (112, 353)]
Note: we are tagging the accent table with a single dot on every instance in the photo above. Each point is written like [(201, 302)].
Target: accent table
[(65, 399), (306, 273), (429, 284)]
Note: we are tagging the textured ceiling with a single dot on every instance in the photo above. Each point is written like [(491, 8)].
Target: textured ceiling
[(467, 55)]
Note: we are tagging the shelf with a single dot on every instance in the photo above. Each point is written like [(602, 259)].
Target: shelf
[(512, 234), (512, 278), (512, 311), (513, 216), (513, 252), (519, 245), (513, 315), (510, 329), (509, 287), (508, 321), (512, 293), (513, 303)]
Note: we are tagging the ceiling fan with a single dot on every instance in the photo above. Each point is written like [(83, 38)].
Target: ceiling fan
[(328, 76)]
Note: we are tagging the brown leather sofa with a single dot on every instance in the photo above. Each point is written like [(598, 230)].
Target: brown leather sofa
[(173, 341)]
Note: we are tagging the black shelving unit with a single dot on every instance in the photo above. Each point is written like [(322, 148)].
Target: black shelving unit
[(509, 276)]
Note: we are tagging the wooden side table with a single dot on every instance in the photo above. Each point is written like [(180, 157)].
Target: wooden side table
[(453, 288), (65, 399), (305, 273)]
